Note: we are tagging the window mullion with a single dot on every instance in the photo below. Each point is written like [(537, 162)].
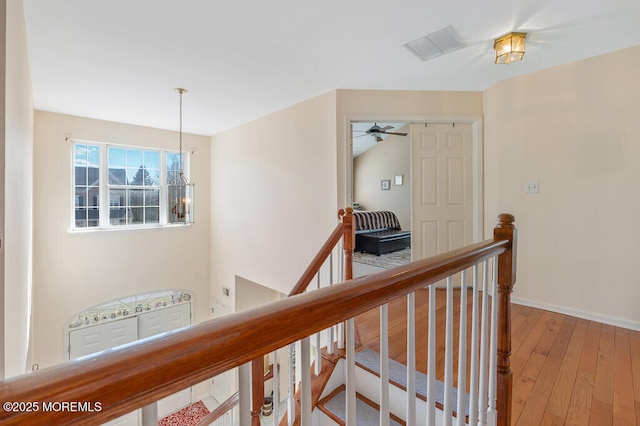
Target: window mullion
[(163, 184), (104, 187)]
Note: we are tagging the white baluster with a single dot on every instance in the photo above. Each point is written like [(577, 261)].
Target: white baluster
[(482, 391), (462, 351), (431, 359), (330, 329), (149, 414), (448, 355), (276, 389), (493, 348), (411, 359), (351, 373), (291, 408), (473, 363), (305, 383), (244, 393), (340, 333), (384, 365)]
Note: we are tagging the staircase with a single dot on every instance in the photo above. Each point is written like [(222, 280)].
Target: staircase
[(331, 407), (323, 315), (410, 398)]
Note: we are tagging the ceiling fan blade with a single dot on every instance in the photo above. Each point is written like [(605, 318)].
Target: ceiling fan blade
[(398, 134), (359, 136), (385, 128)]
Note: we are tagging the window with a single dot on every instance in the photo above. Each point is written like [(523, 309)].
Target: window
[(87, 185), (118, 186), (134, 186)]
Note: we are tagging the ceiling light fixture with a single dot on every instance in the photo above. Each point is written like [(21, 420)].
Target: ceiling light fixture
[(509, 48), (180, 190)]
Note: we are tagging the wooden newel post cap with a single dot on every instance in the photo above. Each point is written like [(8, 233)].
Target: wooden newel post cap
[(344, 212), (506, 220)]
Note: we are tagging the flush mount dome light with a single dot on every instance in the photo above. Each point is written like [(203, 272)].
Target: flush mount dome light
[(509, 48)]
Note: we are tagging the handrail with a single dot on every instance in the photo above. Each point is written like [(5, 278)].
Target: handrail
[(140, 373), (344, 227), (137, 374), (220, 410), (318, 260)]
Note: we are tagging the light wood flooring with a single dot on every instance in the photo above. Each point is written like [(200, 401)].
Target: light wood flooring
[(566, 370)]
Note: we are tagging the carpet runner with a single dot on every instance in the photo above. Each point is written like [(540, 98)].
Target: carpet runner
[(188, 416), (367, 415), (370, 360)]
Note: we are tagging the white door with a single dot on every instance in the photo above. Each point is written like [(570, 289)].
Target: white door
[(163, 319), (110, 334), (160, 321), (100, 337), (442, 188)]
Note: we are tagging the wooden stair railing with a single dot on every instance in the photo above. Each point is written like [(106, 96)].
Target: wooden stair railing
[(506, 280), (329, 362), (138, 374), (220, 410), (344, 231)]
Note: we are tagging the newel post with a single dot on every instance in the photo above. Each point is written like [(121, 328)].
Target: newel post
[(348, 241), (505, 230)]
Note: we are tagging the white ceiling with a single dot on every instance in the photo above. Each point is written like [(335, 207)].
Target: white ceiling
[(362, 142), (120, 60)]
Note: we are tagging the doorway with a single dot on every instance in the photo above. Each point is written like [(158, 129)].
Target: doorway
[(381, 169), (444, 181)]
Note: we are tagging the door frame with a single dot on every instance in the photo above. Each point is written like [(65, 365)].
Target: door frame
[(477, 144)]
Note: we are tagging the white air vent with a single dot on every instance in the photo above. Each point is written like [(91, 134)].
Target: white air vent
[(436, 44)]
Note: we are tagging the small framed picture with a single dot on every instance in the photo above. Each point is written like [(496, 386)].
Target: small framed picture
[(398, 180), (385, 184)]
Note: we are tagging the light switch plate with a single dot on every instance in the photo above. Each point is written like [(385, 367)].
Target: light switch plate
[(531, 187)]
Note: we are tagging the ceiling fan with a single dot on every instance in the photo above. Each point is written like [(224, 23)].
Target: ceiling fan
[(376, 131)]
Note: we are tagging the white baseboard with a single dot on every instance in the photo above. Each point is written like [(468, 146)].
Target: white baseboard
[(591, 316)]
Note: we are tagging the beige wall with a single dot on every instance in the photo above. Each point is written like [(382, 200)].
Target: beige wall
[(250, 295), (277, 182), (74, 271), (384, 160), (274, 196), (574, 129), (17, 187)]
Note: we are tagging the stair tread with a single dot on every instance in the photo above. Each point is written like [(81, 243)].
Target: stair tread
[(370, 360), (367, 413)]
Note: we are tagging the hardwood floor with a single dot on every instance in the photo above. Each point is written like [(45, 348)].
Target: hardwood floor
[(566, 370)]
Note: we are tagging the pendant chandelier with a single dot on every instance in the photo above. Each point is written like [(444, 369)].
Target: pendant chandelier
[(180, 190)]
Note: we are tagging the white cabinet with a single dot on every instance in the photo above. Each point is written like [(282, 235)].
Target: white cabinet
[(163, 319), (88, 339), (159, 321), (100, 337)]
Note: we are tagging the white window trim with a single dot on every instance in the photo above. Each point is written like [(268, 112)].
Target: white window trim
[(104, 222)]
